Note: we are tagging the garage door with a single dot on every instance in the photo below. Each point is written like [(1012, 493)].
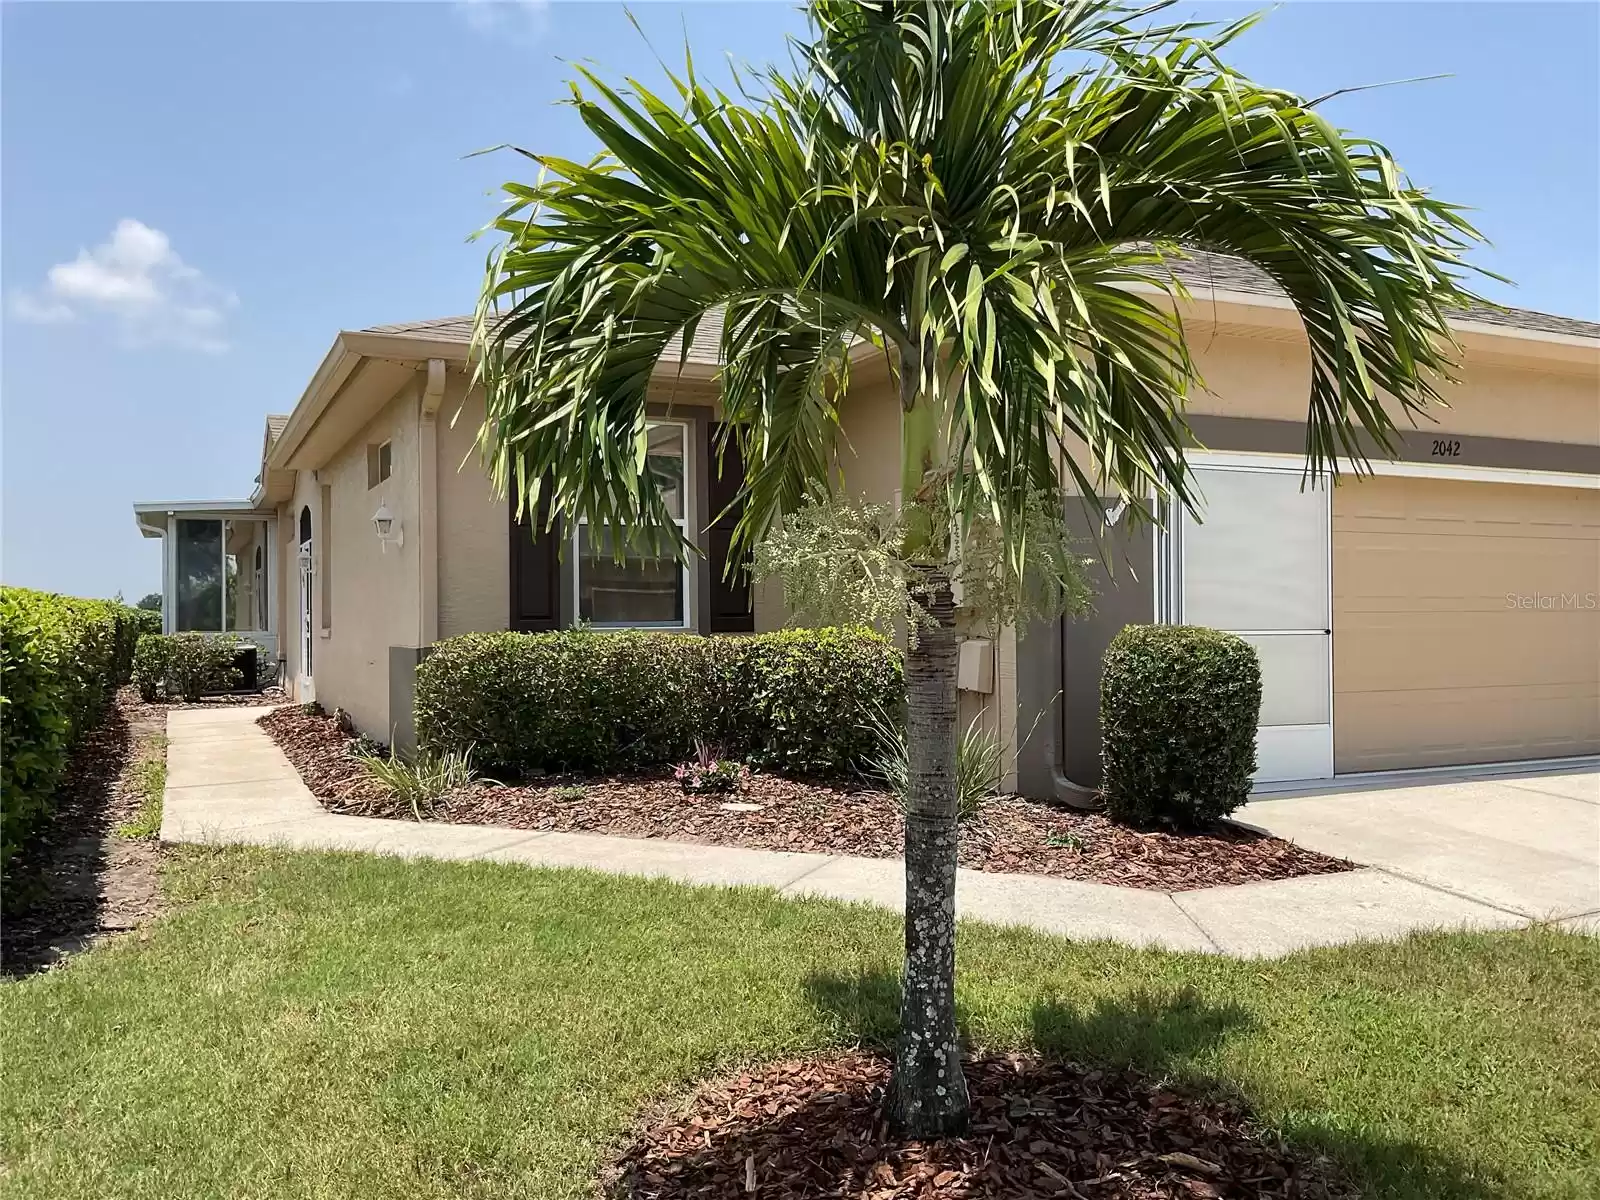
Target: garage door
[(1466, 622)]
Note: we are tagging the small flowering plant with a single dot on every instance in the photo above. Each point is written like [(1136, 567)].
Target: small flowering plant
[(711, 772)]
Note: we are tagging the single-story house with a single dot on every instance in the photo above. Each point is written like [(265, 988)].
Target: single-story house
[(1444, 610)]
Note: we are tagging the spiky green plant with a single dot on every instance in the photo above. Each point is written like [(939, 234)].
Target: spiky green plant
[(991, 196), (980, 762), (419, 782)]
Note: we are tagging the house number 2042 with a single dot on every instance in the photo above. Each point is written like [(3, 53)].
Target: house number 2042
[(1446, 448)]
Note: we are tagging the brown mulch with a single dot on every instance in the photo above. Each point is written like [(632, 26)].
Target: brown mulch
[(1009, 833), (267, 695), (77, 881), (816, 1128), (320, 748)]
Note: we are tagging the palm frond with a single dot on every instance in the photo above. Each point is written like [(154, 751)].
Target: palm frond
[(994, 194)]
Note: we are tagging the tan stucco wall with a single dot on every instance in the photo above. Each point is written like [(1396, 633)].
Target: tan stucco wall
[(373, 590), (1256, 377), (474, 558), (867, 458), (868, 452)]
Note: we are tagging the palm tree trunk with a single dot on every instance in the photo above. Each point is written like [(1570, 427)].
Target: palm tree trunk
[(930, 1092)]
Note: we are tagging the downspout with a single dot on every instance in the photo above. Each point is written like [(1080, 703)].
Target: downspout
[(428, 504)]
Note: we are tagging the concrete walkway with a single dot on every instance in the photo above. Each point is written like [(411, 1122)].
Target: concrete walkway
[(228, 783), (1527, 843)]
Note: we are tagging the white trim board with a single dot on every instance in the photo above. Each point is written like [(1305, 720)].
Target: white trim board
[(1296, 462), (1427, 776)]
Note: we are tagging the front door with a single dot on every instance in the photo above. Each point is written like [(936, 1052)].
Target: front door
[(307, 689), (1256, 563)]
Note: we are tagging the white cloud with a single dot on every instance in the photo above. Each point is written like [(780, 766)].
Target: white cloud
[(40, 312), (515, 20), (137, 282)]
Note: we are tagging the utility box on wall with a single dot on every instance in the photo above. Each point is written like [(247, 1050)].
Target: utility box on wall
[(975, 666)]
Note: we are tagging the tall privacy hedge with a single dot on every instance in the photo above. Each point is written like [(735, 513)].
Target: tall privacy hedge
[(60, 661), (1179, 705), (580, 700)]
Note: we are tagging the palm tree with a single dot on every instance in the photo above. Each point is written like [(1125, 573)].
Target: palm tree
[(991, 193)]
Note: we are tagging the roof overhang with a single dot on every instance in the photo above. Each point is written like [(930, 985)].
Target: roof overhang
[(1245, 311), (363, 370), (359, 375), (151, 515)]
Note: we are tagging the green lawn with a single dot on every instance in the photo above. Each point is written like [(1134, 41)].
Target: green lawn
[(342, 1026), (150, 779)]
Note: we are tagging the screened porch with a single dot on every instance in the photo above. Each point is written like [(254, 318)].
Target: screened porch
[(219, 569)]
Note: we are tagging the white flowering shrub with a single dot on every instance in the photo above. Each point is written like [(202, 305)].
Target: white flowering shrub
[(844, 562)]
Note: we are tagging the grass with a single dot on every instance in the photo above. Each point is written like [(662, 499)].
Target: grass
[(320, 1025), (150, 777)]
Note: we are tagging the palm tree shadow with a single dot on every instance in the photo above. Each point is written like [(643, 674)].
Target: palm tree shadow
[(1145, 1029), (1161, 1035)]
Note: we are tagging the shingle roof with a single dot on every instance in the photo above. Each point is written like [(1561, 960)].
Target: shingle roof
[(1226, 273), (276, 422), (1200, 271), (444, 329), (707, 337)]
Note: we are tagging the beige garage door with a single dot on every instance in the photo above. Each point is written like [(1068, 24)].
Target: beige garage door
[(1466, 623)]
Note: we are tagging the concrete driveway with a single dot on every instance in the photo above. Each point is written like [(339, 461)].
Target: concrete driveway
[(1525, 843)]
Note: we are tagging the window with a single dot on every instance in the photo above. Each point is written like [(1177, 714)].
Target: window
[(199, 576), (242, 543), (380, 463), (648, 586), (213, 594)]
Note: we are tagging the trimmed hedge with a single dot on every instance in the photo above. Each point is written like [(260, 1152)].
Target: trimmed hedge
[(185, 666), (1179, 706), (61, 659), (146, 621), (580, 700)]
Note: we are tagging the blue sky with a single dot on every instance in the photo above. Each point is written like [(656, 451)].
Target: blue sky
[(197, 197)]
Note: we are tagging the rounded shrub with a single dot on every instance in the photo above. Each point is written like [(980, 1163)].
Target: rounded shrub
[(588, 701), (1179, 706), (185, 666)]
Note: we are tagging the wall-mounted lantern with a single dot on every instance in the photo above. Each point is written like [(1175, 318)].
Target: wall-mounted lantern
[(390, 532)]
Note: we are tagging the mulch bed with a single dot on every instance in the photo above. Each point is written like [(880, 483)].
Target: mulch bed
[(1009, 833), (267, 695), (77, 880), (815, 1128)]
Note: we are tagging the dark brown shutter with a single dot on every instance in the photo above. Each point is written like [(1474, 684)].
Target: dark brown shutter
[(535, 573), (731, 610)]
